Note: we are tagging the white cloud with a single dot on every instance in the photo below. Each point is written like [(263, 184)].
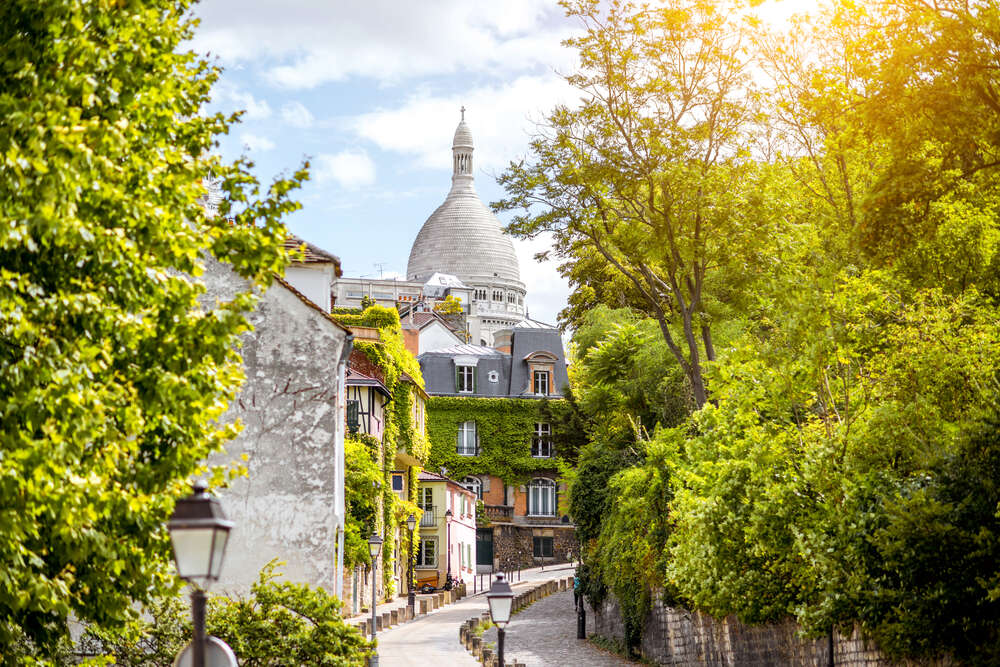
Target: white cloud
[(309, 42), (350, 169), (233, 99), (501, 119), (297, 115), (256, 143)]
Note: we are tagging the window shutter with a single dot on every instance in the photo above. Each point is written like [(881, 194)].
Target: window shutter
[(475, 378), (458, 378), (486, 484), (475, 427)]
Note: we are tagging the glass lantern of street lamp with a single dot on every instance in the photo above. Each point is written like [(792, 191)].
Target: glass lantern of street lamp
[(411, 522), (501, 599), (374, 546), (199, 532)]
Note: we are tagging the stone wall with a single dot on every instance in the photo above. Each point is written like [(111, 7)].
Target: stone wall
[(513, 546), (674, 636)]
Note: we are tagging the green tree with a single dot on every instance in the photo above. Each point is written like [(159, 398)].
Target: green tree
[(451, 305), (650, 177), (113, 373)]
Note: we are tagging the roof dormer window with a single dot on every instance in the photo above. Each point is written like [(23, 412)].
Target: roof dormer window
[(541, 382)]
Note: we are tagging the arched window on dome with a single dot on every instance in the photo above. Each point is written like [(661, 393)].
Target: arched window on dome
[(541, 497), (475, 485)]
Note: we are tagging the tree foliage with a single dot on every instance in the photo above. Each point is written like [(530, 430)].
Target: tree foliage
[(113, 375), (842, 472), (649, 178)]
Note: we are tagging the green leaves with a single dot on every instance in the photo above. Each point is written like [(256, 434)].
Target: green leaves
[(115, 369)]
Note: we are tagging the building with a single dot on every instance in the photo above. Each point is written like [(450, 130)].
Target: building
[(447, 531), (426, 331), (290, 505), (486, 424), (462, 238), (379, 394)]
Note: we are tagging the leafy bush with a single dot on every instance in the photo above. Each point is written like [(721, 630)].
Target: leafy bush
[(279, 624)]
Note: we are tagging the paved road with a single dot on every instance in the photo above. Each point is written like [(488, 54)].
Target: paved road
[(544, 634), (433, 639)]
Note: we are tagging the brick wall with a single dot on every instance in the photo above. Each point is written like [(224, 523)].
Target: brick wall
[(674, 636)]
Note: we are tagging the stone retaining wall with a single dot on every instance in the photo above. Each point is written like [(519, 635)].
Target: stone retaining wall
[(674, 636)]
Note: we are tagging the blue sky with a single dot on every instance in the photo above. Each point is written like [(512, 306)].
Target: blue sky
[(370, 92)]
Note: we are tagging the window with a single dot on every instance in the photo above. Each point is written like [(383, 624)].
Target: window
[(541, 443), (540, 380), (475, 485), (468, 444), (542, 547), (492, 376), (427, 553), (498, 295), (353, 407), (397, 482), (425, 499), (481, 295), (465, 379), (542, 497)]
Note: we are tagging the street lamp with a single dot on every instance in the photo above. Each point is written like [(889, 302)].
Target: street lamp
[(501, 600), (411, 598), (374, 547), (199, 531), (447, 522)]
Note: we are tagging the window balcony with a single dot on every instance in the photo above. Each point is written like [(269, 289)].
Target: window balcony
[(429, 518), (500, 513)]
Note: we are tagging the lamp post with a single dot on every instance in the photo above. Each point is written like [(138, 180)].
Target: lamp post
[(501, 600), (199, 532), (411, 598), (447, 523), (374, 548)]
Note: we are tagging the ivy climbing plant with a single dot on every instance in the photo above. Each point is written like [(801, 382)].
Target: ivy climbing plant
[(394, 362), (504, 427)]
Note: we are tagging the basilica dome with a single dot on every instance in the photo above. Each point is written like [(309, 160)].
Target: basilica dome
[(463, 237)]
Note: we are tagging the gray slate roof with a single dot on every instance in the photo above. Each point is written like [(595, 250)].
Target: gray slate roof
[(438, 367)]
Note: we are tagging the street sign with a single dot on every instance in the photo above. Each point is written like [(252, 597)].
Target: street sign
[(217, 654)]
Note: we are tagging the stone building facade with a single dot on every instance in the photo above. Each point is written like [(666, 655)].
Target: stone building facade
[(463, 238)]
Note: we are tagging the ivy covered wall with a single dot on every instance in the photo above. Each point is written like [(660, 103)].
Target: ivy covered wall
[(504, 427), (377, 503)]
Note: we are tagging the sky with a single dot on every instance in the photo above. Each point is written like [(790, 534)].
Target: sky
[(369, 92)]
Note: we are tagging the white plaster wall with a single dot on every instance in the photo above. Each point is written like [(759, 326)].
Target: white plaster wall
[(288, 407), (436, 336), (463, 532), (312, 280)]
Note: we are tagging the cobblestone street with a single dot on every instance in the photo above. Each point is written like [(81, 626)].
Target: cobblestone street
[(544, 634)]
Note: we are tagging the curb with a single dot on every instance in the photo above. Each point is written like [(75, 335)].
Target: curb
[(424, 604)]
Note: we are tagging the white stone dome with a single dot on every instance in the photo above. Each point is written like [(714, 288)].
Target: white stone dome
[(463, 237)]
